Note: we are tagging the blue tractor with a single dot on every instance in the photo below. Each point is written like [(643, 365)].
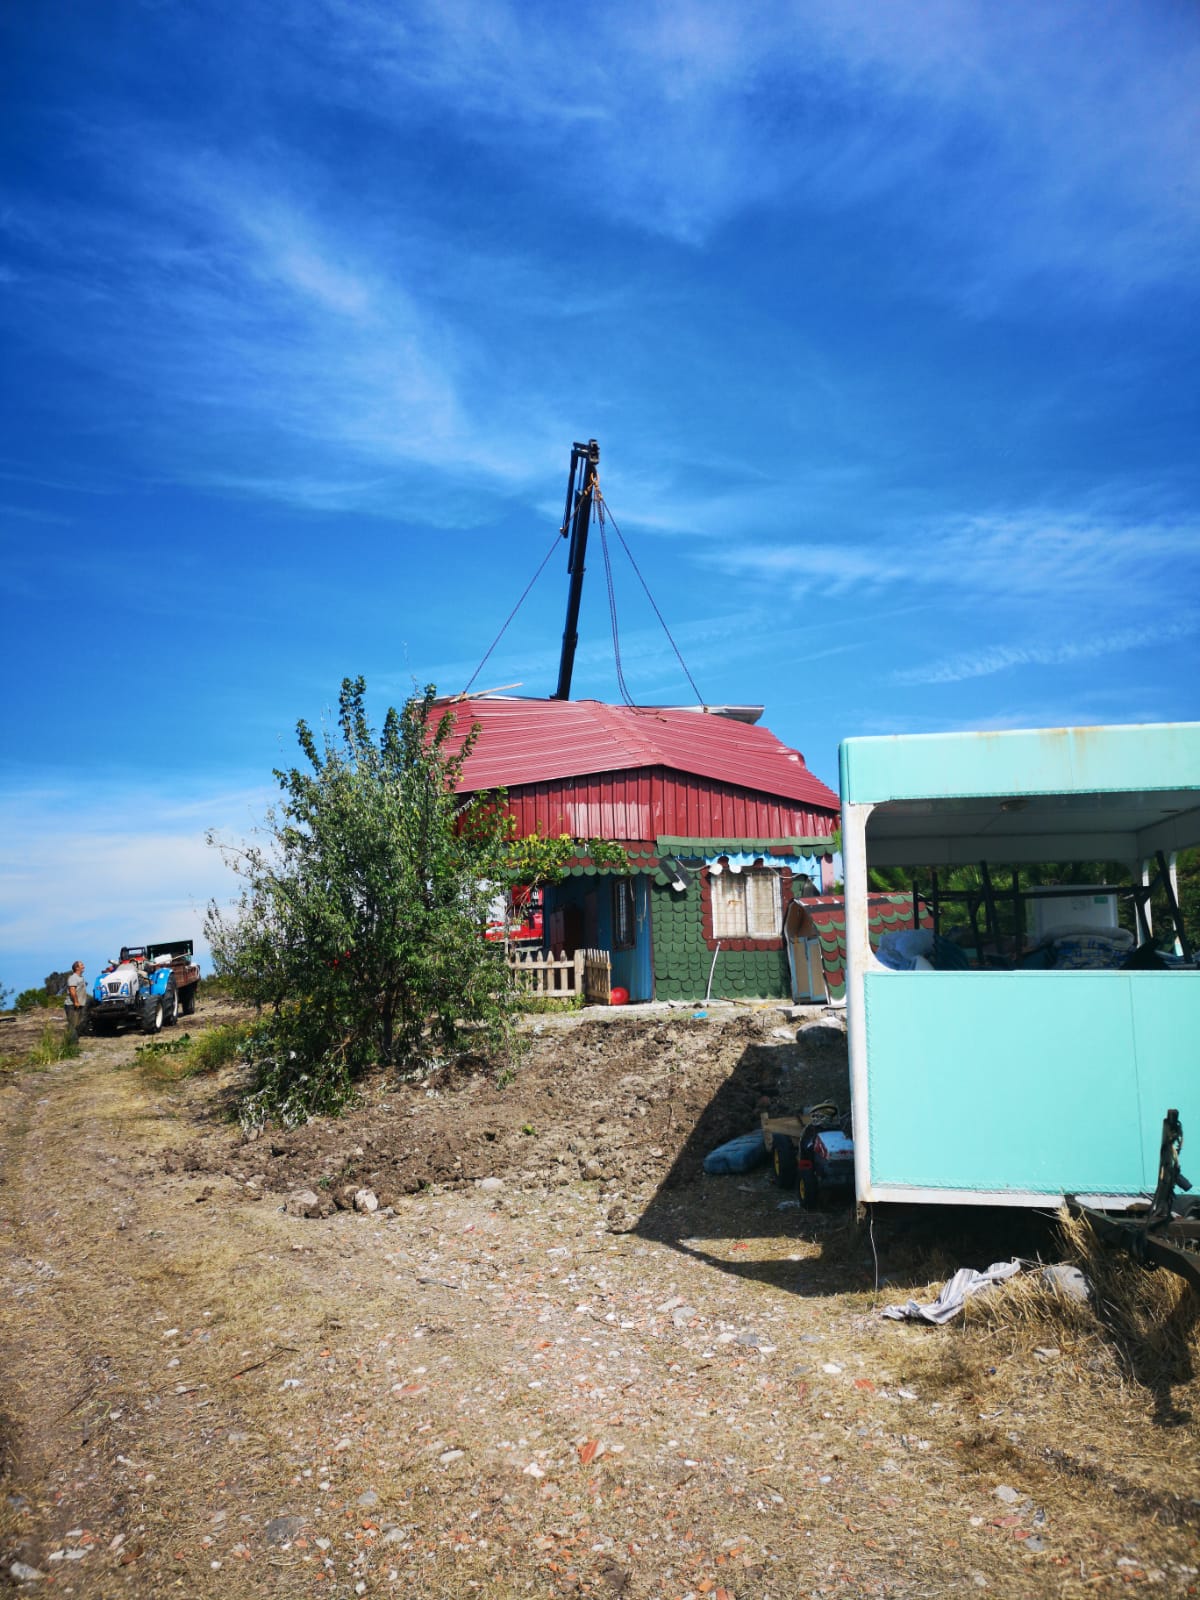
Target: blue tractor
[(148, 988)]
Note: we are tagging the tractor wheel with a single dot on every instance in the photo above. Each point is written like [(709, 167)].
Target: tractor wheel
[(807, 1187), (172, 1008), (152, 1014), (783, 1160), (187, 999)]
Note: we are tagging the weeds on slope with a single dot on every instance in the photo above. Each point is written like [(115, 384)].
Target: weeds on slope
[(168, 1061)]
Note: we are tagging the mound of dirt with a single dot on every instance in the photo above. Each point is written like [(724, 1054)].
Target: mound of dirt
[(625, 1104)]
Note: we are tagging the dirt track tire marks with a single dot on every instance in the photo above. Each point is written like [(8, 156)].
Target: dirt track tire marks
[(100, 1436)]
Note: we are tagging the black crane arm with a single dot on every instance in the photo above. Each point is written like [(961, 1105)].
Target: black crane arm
[(582, 485)]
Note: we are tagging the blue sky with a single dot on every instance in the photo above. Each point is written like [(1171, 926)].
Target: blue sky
[(885, 318)]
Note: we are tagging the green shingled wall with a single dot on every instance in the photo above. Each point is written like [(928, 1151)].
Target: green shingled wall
[(682, 959)]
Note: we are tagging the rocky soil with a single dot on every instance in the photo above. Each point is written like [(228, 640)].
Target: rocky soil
[(552, 1359)]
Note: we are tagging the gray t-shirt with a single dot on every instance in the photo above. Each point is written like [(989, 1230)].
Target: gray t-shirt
[(76, 990)]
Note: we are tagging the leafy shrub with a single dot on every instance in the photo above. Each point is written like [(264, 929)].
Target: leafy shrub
[(164, 1047), (361, 922), (549, 1004), (35, 1000), (293, 1083), (219, 987), (192, 1055)]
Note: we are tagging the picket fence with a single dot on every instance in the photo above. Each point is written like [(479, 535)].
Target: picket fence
[(561, 977)]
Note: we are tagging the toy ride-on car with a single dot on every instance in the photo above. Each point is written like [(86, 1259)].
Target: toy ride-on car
[(810, 1150)]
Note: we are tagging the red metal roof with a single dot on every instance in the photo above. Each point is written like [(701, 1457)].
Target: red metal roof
[(538, 741)]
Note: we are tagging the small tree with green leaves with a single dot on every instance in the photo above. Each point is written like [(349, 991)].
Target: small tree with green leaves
[(38, 999), (361, 917)]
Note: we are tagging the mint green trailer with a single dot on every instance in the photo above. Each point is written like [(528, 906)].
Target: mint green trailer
[(1017, 1087)]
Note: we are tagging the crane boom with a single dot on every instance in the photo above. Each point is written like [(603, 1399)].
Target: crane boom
[(582, 485)]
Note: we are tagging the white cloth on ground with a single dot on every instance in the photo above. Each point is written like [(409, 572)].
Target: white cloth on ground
[(965, 1282)]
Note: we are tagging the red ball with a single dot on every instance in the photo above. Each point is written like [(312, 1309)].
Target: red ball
[(618, 996)]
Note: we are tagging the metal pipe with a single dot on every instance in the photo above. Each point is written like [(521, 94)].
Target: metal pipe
[(711, 970)]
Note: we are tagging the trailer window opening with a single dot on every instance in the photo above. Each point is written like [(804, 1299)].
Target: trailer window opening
[(1031, 882)]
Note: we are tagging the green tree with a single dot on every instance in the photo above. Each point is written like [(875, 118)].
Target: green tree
[(1187, 871), (36, 999), (361, 916)]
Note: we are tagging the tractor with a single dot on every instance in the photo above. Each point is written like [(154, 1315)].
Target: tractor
[(149, 988)]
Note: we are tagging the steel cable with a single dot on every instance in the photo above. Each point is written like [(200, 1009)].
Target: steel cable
[(612, 604), (650, 597), (513, 613)]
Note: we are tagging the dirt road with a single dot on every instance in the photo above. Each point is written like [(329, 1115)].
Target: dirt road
[(567, 1365)]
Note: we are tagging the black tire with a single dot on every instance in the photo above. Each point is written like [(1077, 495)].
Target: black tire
[(152, 1014), (807, 1187), (172, 1008), (783, 1161), (187, 999)]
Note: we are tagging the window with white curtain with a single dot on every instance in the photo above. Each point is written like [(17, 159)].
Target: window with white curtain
[(746, 904)]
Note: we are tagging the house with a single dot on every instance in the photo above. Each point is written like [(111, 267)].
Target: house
[(719, 820)]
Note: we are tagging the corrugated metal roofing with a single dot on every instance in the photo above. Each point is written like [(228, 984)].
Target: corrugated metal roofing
[(538, 741)]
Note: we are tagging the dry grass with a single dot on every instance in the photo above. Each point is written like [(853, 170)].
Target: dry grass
[(1151, 1318), (52, 1044), (1090, 1397), (1140, 1331)]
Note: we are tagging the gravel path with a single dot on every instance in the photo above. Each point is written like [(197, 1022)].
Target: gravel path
[(517, 1389)]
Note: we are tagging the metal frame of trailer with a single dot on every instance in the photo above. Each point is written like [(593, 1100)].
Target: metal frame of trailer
[(1019, 1087)]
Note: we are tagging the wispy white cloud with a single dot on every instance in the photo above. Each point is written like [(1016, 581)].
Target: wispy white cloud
[(32, 514), (1048, 559), (1025, 139), (259, 321), (85, 868), (988, 660)]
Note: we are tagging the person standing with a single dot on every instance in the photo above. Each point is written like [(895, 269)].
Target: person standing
[(75, 1001)]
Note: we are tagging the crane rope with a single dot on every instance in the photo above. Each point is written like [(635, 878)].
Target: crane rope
[(604, 511), (612, 603), (513, 612), (604, 516)]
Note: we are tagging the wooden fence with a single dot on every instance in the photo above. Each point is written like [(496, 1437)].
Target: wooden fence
[(558, 976)]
